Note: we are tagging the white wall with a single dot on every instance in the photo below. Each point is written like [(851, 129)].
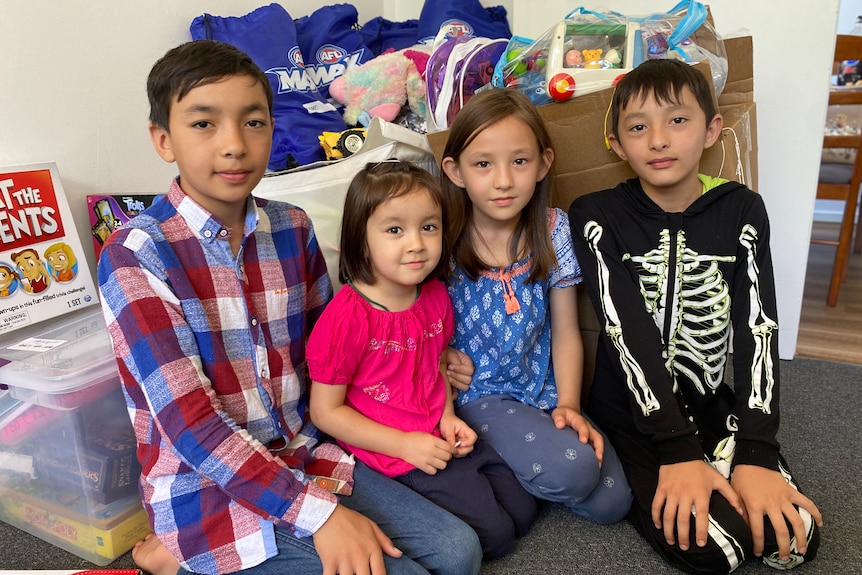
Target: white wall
[(75, 72), (848, 11)]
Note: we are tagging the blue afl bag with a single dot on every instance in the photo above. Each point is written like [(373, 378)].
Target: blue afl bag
[(380, 34), (462, 18), (268, 35), (331, 43)]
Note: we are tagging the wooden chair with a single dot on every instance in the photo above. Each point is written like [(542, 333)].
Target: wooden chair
[(839, 181)]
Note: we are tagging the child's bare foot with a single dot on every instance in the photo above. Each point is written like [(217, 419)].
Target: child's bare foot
[(153, 557)]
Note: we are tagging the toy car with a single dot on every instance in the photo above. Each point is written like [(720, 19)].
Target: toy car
[(342, 144)]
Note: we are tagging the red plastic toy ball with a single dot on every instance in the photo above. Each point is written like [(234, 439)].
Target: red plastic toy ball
[(561, 87)]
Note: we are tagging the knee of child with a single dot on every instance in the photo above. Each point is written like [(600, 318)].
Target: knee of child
[(770, 546), (614, 508), (523, 514), (497, 538), (728, 545), (464, 554), (566, 479)]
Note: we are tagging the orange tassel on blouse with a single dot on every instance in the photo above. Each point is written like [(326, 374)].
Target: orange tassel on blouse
[(512, 304)]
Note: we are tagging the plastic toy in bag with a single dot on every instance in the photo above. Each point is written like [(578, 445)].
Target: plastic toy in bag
[(589, 51), (583, 53), (685, 33)]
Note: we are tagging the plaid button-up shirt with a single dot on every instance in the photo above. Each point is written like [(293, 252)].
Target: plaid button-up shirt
[(210, 349)]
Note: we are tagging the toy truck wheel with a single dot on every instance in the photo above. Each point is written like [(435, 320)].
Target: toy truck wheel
[(561, 87), (350, 142)]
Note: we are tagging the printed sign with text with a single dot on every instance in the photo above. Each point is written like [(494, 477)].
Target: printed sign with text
[(43, 267)]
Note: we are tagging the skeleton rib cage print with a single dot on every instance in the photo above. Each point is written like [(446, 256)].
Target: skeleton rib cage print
[(695, 326)]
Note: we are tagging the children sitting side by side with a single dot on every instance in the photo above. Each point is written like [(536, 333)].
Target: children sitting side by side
[(513, 291), (209, 296), (375, 358), (676, 262)]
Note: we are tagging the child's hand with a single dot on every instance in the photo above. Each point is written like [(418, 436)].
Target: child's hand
[(564, 416), (458, 368), (351, 543), (425, 451), (684, 488), (765, 493), (459, 435)]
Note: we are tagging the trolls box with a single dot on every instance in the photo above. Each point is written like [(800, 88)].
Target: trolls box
[(109, 212)]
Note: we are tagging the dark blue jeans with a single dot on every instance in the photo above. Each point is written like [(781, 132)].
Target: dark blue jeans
[(432, 540), (482, 490)]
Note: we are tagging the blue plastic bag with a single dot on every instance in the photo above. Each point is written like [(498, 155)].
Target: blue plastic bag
[(268, 36), (462, 18), (331, 44)]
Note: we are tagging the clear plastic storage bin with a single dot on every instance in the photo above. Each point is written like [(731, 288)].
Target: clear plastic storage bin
[(68, 470)]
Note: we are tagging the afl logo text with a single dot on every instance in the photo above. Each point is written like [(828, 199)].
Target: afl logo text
[(329, 54), (457, 28), (295, 57)]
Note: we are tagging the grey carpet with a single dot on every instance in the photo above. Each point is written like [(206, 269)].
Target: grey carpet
[(821, 406)]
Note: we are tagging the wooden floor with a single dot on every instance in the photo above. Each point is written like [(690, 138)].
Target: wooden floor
[(833, 334)]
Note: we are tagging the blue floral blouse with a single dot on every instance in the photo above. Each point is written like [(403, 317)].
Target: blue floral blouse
[(503, 323)]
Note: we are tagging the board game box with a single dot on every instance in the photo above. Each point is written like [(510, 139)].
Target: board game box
[(43, 267)]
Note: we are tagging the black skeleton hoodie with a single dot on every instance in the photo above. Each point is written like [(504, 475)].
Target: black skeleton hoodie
[(667, 289)]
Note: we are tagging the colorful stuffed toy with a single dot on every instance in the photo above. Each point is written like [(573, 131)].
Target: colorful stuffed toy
[(381, 86)]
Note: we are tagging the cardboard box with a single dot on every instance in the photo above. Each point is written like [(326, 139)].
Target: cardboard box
[(583, 164), (68, 469)]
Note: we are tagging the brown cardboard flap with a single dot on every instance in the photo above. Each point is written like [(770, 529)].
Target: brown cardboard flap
[(734, 156), (740, 61), (739, 87)]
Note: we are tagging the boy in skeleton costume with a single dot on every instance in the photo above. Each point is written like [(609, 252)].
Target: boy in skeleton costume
[(675, 262)]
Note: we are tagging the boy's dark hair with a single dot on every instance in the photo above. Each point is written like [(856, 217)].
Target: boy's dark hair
[(663, 79), (373, 185), (194, 64), (483, 110)]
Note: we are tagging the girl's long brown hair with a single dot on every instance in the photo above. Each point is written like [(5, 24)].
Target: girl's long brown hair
[(483, 110)]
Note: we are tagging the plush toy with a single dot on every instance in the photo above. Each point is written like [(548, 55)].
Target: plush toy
[(381, 86)]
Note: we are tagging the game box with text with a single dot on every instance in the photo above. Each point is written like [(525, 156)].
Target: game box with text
[(43, 267)]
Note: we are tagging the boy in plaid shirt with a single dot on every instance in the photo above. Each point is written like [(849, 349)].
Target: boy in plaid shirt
[(209, 296)]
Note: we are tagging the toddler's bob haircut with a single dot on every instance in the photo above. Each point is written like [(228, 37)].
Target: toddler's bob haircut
[(373, 185)]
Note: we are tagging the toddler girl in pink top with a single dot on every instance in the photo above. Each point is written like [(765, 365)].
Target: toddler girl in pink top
[(375, 358)]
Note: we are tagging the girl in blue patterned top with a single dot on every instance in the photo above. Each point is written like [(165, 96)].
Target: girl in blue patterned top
[(513, 291)]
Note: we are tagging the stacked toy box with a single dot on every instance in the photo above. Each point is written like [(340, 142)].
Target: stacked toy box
[(68, 470)]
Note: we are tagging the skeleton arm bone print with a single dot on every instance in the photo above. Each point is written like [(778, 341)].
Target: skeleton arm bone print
[(762, 328), (635, 377)]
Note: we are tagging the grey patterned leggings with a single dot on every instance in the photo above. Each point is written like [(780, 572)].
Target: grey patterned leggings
[(551, 463)]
